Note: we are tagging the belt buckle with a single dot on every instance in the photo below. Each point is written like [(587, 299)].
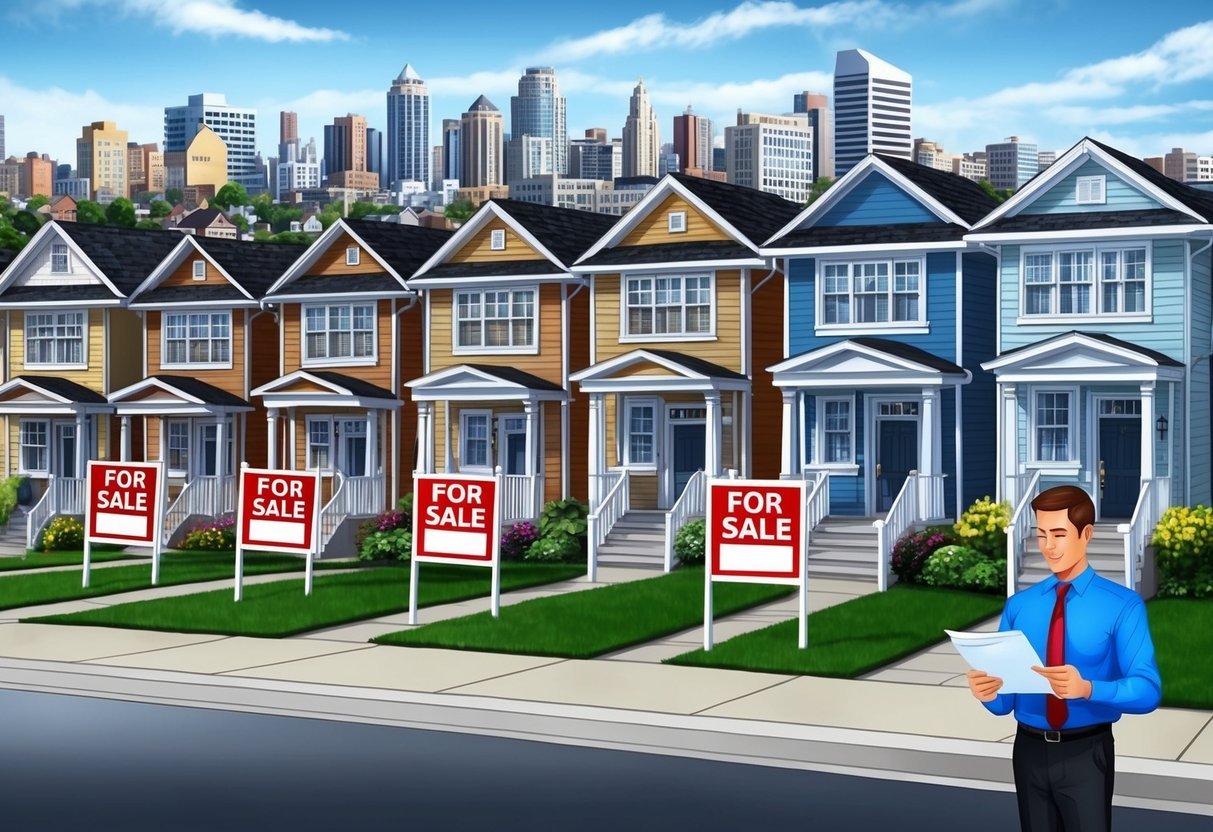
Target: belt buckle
[(1052, 736)]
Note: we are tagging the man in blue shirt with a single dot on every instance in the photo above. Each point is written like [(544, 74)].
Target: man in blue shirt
[(1095, 640)]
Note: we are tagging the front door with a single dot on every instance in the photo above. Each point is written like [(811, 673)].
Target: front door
[(1120, 465), (896, 457), (351, 447), (511, 439), (65, 450), (688, 453)]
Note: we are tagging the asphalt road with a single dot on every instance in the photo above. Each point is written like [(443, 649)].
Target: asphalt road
[(75, 763)]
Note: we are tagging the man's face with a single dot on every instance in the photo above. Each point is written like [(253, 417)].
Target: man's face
[(1061, 544)]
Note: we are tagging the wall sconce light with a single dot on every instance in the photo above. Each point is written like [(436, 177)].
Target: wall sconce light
[(1161, 424)]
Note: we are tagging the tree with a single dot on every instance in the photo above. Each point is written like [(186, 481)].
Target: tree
[(819, 187), (9, 238), (174, 196), (89, 211), (459, 210), (148, 225), (233, 193), (37, 201), (1000, 194), (240, 222), (119, 212), (159, 209), (292, 237), (27, 223)]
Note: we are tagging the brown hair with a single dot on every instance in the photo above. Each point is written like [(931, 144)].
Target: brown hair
[(1079, 509)]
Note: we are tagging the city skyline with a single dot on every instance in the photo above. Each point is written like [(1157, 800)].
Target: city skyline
[(1133, 82)]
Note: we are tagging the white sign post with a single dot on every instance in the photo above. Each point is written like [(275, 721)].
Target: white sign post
[(279, 512), (125, 505)]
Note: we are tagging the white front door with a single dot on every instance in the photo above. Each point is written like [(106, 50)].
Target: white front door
[(351, 447)]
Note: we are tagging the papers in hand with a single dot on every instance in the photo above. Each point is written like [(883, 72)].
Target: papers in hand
[(1007, 655)]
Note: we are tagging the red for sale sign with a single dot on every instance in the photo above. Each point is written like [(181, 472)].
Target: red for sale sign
[(278, 509), (455, 518), (124, 503), (755, 530)]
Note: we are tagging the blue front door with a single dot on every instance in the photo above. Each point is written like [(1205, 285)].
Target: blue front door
[(688, 455), (896, 457), (1120, 465)]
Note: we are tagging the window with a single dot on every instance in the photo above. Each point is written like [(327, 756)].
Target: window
[(878, 292), (199, 270), (475, 445), (54, 338), (837, 432), (676, 222), (679, 305), (340, 331), (1090, 190), (1052, 414), (502, 319), (197, 338), (642, 433), (59, 258), (1063, 282), (318, 441), (35, 446), (1122, 279), (353, 256), (497, 239), (178, 440)]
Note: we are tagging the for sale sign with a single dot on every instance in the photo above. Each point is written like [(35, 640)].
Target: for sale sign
[(278, 509), (124, 504), (455, 519)]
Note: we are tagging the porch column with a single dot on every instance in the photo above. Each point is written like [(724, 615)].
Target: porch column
[(789, 466), (928, 453), (597, 439), (271, 429), (423, 437), (220, 447), (373, 462), (1147, 432), (164, 440), (531, 464), (125, 440), (1010, 442), (82, 444), (448, 454), (712, 451)]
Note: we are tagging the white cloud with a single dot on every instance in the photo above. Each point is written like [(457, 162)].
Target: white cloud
[(217, 18)]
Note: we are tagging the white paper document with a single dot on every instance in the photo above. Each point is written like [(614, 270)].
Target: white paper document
[(1007, 655)]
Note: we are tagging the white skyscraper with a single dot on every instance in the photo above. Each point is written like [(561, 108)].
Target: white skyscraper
[(872, 102), (641, 136), (771, 153), (408, 129), (237, 126)]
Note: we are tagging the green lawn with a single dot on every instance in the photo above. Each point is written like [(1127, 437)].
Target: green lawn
[(280, 608), (581, 625), (854, 637), (1182, 630), (37, 560)]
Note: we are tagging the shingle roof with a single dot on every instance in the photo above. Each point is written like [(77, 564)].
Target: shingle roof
[(900, 350), (1088, 219), (403, 247), (670, 253), (962, 196), (319, 284), (756, 214), (207, 393), (697, 365), (1154, 355), (853, 235), (503, 268), (1199, 201), (203, 292), (566, 232), (42, 294), (255, 266), (355, 385), (126, 256), (515, 376), (202, 218), (69, 390)]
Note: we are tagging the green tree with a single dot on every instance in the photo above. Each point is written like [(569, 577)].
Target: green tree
[(1000, 194), (159, 209), (240, 222), (328, 216), (9, 238), (89, 211), (27, 223), (292, 237), (819, 187), (120, 212), (174, 196), (459, 210), (148, 225), (233, 193), (37, 201)]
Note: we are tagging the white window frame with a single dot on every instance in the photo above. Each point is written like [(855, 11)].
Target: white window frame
[(199, 270), (339, 361), (61, 250), (1097, 250), (626, 336), (917, 326), (169, 424), (1091, 184), (626, 432), (489, 425), (473, 349), (46, 448), (1071, 465), (187, 364), (676, 222), (55, 365), (497, 239), (328, 445), (353, 256), (819, 434)]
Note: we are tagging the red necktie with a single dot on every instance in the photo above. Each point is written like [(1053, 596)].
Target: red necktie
[(1056, 710)]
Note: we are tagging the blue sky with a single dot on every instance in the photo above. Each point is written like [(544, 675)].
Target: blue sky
[(1051, 71)]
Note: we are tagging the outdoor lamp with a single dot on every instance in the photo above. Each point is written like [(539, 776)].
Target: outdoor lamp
[(1161, 424)]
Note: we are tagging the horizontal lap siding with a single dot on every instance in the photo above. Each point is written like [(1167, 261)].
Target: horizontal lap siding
[(183, 275), (332, 259), (230, 379), (92, 376), (1202, 405), (766, 339), (553, 464), (378, 373), (876, 201), (579, 409), (1061, 198), (479, 249), (979, 406), (654, 228)]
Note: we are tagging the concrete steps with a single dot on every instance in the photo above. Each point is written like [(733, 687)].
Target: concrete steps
[(843, 547), (1106, 553), (12, 536), (636, 541)]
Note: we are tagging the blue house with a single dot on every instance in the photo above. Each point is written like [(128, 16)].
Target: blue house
[(889, 316)]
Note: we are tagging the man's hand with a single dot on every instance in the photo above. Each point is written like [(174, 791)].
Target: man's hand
[(1066, 681), (983, 685)]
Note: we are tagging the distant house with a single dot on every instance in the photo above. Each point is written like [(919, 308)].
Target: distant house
[(61, 208), (310, 224), (208, 222)]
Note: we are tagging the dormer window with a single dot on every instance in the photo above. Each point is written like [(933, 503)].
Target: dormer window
[(59, 258), (1091, 190), (199, 270), (676, 222), (353, 256), (497, 239)]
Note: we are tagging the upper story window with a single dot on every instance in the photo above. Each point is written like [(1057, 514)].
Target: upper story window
[(353, 256), (339, 331), (674, 305), (497, 239), (495, 319), (59, 262), (1090, 190), (1086, 281), (199, 270), (198, 338), (876, 292), (54, 338)]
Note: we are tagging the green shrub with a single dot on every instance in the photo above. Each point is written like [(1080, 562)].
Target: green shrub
[(62, 533), (405, 506), (212, 536), (566, 517), (690, 543), (555, 547), (962, 567), (394, 544), (8, 497), (981, 527), (1183, 551), (910, 553)]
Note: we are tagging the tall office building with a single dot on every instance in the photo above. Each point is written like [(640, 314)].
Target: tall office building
[(408, 128), (1011, 163), (346, 155), (537, 113), (451, 153), (1045, 158), (872, 104), (641, 136), (101, 158), (481, 138), (288, 127), (236, 126), (37, 175), (374, 155), (771, 153), (693, 141), (817, 107), (597, 134), (2, 137), (593, 159), (300, 172)]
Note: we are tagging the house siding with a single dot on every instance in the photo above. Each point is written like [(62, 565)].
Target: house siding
[(1061, 198), (1202, 391), (979, 397), (876, 201), (766, 408), (478, 248), (654, 228)]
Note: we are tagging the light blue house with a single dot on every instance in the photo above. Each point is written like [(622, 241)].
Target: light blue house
[(889, 317)]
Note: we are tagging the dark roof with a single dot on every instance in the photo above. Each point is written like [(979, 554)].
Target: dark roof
[(1087, 219), (319, 284), (42, 294), (202, 218), (1158, 357), (69, 390), (670, 253), (697, 365), (962, 196), (7, 255), (190, 294), (255, 266), (502, 268), (854, 235), (566, 232), (126, 256), (900, 350), (201, 390), (756, 214), (1199, 201), (403, 247), (482, 105), (355, 385), (515, 376)]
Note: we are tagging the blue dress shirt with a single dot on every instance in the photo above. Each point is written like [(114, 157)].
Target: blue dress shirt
[(1107, 640)]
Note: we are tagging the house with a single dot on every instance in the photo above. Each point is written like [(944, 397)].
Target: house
[(208, 222), (506, 324), (351, 333), (308, 224), (889, 318), (207, 344), (70, 342), (61, 208)]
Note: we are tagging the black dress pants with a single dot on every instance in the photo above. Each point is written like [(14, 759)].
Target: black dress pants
[(1064, 785)]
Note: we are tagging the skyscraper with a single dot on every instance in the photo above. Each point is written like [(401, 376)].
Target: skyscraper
[(1011, 163), (237, 126), (537, 113), (592, 159), (771, 153), (641, 136), (693, 141), (817, 107), (408, 128), (288, 127), (2, 156), (872, 104), (101, 158), (345, 154), (374, 155), (481, 134), (451, 153)]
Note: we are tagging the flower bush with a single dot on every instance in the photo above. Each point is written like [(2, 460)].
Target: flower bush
[(517, 539), (690, 544), (217, 535), (910, 553), (555, 547), (981, 527), (8, 497), (963, 567), (61, 534), (1183, 547), (393, 544), (391, 520)]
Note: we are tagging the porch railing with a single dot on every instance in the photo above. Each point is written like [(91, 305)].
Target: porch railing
[(353, 496), (692, 502), (211, 496), (902, 515), (601, 485), (817, 504), (613, 505), (1017, 485), (64, 495), (521, 496), (1153, 500), (1019, 530)]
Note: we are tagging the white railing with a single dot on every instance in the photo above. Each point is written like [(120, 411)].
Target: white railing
[(602, 518), (1153, 500), (692, 502), (601, 485), (902, 515), (210, 496), (64, 495), (1019, 529), (521, 497), (352, 496), (817, 504)]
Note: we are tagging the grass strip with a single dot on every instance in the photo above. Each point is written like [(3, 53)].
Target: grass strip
[(40, 560), (277, 609), (1182, 630), (581, 625), (854, 637)]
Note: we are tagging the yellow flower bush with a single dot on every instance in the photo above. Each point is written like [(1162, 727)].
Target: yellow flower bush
[(981, 526), (62, 533), (1183, 552)]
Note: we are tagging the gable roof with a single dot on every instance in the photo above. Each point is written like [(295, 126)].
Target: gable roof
[(1074, 335), (203, 218), (565, 232), (253, 265), (62, 388), (248, 268), (964, 196), (1199, 201), (185, 386)]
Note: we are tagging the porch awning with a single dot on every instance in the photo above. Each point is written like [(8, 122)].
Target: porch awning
[(868, 362), (1084, 356), (321, 388), (657, 371), (50, 395), (467, 382), (177, 396)]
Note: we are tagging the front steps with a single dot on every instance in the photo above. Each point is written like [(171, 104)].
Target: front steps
[(1105, 552), (843, 547), (636, 541), (12, 536)]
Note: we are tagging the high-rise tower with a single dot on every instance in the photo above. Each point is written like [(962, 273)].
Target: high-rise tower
[(481, 134), (817, 107), (872, 102), (693, 141), (641, 136), (539, 141), (408, 128), (237, 126)]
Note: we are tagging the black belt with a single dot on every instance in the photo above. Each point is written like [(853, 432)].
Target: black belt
[(1068, 733)]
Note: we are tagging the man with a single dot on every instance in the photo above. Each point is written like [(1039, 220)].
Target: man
[(1095, 640)]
